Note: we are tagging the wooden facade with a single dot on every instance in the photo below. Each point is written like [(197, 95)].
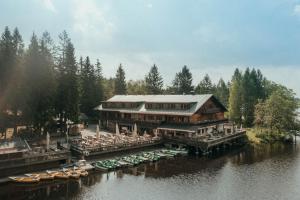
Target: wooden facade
[(150, 115)]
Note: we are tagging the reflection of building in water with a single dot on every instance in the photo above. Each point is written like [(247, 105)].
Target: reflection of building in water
[(92, 179), (119, 174)]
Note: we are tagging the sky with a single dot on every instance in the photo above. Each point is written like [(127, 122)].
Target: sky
[(209, 36)]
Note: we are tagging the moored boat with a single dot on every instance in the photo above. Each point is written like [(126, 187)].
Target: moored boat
[(42, 176), (59, 174), (74, 174), (82, 172), (25, 179), (98, 166)]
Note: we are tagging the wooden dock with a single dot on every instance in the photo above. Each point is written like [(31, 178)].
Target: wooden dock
[(90, 152), (205, 145), (33, 162)]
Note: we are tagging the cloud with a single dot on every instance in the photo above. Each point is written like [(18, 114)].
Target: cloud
[(49, 5), (91, 21), (149, 5), (297, 10)]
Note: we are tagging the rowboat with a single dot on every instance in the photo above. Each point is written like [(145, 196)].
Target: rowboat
[(25, 179), (82, 164), (59, 174), (100, 167), (124, 163), (74, 174), (42, 176), (83, 173)]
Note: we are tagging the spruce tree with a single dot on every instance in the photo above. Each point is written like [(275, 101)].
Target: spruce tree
[(120, 82), (205, 86), (182, 84), (11, 53), (99, 90), (235, 98), (39, 83), (88, 87), (71, 108), (222, 92), (67, 96), (154, 81), (6, 63)]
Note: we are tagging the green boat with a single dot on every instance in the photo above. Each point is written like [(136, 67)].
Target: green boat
[(151, 156), (107, 164), (100, 167), (131, 159), (169, 152)]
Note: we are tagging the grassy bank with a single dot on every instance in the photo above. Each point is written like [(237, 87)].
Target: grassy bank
[(258, 136), (252, 136)]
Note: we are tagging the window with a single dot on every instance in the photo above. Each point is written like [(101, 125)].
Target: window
[(149, 106), (150, 117)]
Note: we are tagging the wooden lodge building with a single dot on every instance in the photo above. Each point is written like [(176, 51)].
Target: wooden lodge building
[(168, 115)]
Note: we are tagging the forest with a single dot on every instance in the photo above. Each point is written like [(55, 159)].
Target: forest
[(44, 82)]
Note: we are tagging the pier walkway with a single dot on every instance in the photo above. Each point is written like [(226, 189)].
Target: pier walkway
[(205, 144)]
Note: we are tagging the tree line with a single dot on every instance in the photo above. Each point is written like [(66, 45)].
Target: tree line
[(45, 83)]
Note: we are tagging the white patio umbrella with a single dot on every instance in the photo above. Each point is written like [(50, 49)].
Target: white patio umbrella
[(135, 130), (97, 132), (47, 141), (155, 133), (117, 129)]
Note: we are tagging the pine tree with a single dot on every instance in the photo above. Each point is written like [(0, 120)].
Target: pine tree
[(248, 98), (88, 86), (120, 82), (39, 84), (67, 96), (222, 92), (154, 81), (108, 84), (182, 83), (205, 86), (235, 98), (71, 108), (99, 90), (253, 90), (11, 52), (6, 63)]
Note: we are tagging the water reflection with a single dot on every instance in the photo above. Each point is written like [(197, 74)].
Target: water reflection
[(261, 172)]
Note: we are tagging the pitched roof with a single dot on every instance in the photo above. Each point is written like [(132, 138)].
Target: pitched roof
[(160, 98), (196, 100)]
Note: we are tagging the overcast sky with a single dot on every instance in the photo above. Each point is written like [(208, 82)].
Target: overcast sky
[(208, 36)]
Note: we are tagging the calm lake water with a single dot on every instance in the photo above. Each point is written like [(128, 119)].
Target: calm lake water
[(265, 172)]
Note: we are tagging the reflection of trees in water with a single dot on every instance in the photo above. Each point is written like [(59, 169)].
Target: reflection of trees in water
[(162, 169), (184, 165), (135, 171), (42, 190), (258, 153)]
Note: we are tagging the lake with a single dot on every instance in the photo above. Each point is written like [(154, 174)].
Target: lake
[(263, 172)]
